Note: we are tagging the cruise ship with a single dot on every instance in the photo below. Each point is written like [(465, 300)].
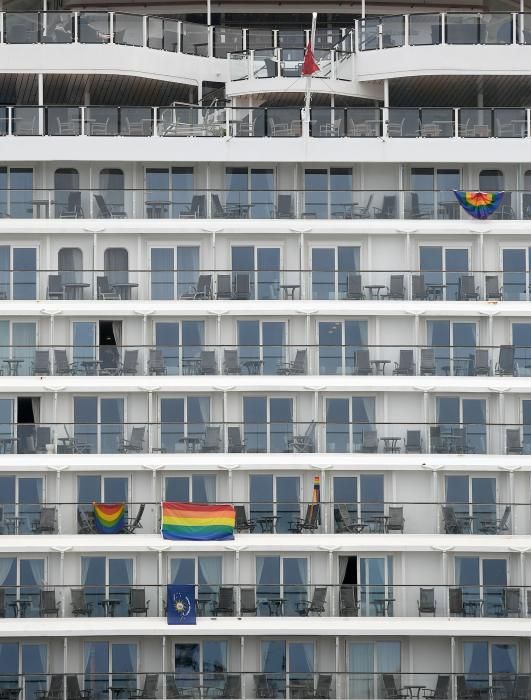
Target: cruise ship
[(227, 280)]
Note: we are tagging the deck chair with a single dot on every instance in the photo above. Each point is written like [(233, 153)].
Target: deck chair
[(456, 603), (415, 212), (211, 440), (55, 690), (47, 604), (196, 209), (362, 365), (413, 442), (55, 287), (481, 363), (85, 525), (2, 603), (43, 438), (354, 287), (223, 287), (369, 441), (156, 364), (46, 521), (427, 362), (138, 605), (136, 522), (317, 605), (262, 686), (73, 691), (73, 208), (207, 362), (130, 363), (303, 443), (513, 442), (284, 208), (324, 686), (506, 365), (41, 363), (436, 442), (62, 366), (466, 288), (234, 439), (202, 290), (511, 602), (405, 366), (388, 208), (107, 212), (310, 522), (521, 687), (232, 687), (343, 519), (418, 288), (497, 526), (390, 688), (225, 604), (298, 366), (348, 603), (149, 691), (426, 604), (231, 364), (492, 288), (242, 285), (450, 522), (172, 691), (80, 606), (218, 210), (242, 523), (248, 601), (104, 288), (442, 688), (396, 520), (396, 287), (135, 442), (466, 692)]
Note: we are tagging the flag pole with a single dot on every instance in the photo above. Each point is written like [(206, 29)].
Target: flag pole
[(307, 99)]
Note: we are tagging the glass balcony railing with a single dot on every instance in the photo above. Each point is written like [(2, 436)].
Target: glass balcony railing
[(329, 358), (297, 684), (293, 600), (271, 122), (375, 517), (337, 435), (257, 204), (327, 284)]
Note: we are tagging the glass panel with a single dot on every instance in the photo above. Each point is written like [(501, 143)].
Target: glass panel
[(34, 668), (281, 424), (287, 497), (167, 341), (255, 423), (193, 341), (214, 666), (29, 499), (467, 576), (431, 264), (363, 410), (5, 269), (372, 578), (24, 342), (274, 665), (182, 191), (464, 343), (93, 577), (85, 422), (504, 658), (348, 261), (514, 274), (187, 269), (120, 576), (187, 659), (162, 273), (9, 664), (21, 198), (456, 261), (371, 496), (177, 489), (522, 343), (31, 581), (474, 422), (494, 583), (323, 273), (112, 425), (261, 496), (315, 194), (172, 424), (262, 195), (97, 669), (484, 503), (84, 336), (24, 273), (330, 347), (337, 425), (295, 579), (361, 666), (476, 664), (268, 272), (124, 666), (341, 192), (457, 494)]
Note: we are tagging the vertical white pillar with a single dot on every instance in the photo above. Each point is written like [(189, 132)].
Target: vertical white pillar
[(40, 99)]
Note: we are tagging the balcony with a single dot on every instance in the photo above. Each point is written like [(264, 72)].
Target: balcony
[(376, 517)]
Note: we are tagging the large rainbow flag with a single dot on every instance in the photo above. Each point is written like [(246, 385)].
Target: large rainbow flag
[(190, 521), (109, 518), (480, 205)]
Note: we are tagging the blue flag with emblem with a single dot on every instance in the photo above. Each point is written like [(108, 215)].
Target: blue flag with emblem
[(181, 605)]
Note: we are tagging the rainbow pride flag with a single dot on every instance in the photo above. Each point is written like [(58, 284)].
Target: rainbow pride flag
[(109, 518), (190, 521), (480, 205)]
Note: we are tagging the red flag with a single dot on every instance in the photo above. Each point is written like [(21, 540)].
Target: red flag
[(309, 66)]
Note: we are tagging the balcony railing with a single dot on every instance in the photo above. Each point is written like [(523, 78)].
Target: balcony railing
[(274, 122), (277, 685), (254, 359), (298, 600), (299, 517), (284, 436)]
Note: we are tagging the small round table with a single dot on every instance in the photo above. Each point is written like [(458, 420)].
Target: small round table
[(379, 366), (374, 290)]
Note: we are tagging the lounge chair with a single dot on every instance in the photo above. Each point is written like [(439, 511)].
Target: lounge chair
[(242, 285), (481, 363), (202, 290), (390, 688), (324, 686), (48, 605), (388, 208), (298, 366), (55, 690), (107, 212), (197, 209), (317, 605), (284, 208), (310, 522), (242, 523), (73, 209), (441, 690), (369, 441), (305, 442), (56, 289), (466, 289), (427, 362), (211, 441), (396, 287), (492, 288), (232, 687), (348, 603), (156, 364), (456, 603), (85, 523), (225, 605), (506, 366), (138, 605), (497, 526), (406, 365), (234, 438), (354, 287), (136, 522), (426, 604), (223, 287), (344, 521), (413, 442), (130, 363), (46, 523), (452, 526), (105, 289), (362, 364), (207, 362), (149, 691), (80, 606), (395, 520), (513, 442), (418, 288), (135, 442), (41, 363), (62, 366), (231, 364)]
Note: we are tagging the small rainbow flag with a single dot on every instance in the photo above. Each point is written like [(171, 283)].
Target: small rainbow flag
[(316, 494), (480, 205), (109, 518), (190, 521)]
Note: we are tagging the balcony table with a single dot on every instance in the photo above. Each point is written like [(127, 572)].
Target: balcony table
[(9, 693), (382, 605), (108, 605), (12, 366), (74, 290), (276, 606), (190, 443), (380, 521), (289, 290), (19, 607), (472, 608), (156, 208), (13, 523), (124, 289), (91, 367), (411, 688), (267, 523), (253, 366), (374, 290), (435, 292), (391, 444), (42, 203), (379, 366), (191, 366), (8, 444), (117, 690)]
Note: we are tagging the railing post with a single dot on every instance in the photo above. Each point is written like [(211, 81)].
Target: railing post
[(210, 40), (356, 36), (111, 27), (250, 64), (82, 118), (528, 122), (443, 27), (333, 64), (178, 47), (406, 30), (244, 39), (456, 122), (2, 14), (76, 27), (144, 31), (380, 35), (155, 118), (10, 121), (515, 28)]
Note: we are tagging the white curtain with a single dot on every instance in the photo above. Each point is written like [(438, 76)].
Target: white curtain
[(37, 572), (209, 571), (70, 265), (24, 340), (6, 565), (36, 408), (116, 264), (117, 332), (343, 563)]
